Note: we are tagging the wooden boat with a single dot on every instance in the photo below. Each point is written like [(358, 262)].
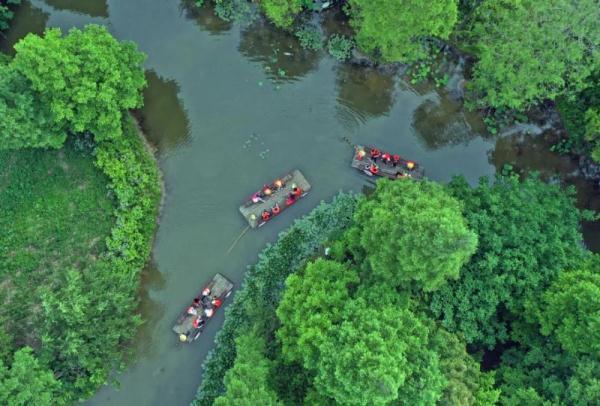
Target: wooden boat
[(192, 321), (394, 170), (274, 198)]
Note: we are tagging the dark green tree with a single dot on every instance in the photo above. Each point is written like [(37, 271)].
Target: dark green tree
[(247, 382), (6, 13), (412, 231), (528, 232), (393, 30), (530, 51), (28, 382), (87, 78)]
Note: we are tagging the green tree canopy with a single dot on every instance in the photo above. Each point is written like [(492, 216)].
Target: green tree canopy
[(87, 78), (570, 310), (394, 29), (26, 122), (247, 382), (530, 51), (312, 303), (528, 232), (28, 382), (282, 12), (412, 231)]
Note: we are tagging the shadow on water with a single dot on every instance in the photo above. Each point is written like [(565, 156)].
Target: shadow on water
[(163, 118), (532, 154), (28, 19), (205, 17), (280, 53), (363, 94), (150, 310), (441, 122), (92, 8)]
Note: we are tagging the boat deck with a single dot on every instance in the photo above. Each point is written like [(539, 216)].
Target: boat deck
[(398, 171)]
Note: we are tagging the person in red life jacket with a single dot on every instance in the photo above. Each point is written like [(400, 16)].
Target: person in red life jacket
[(297, 191), (386, 158), (360, 154), (375, 154), (395, 159), (373, 169), (266, 215), (198, 322), (217, 303), (276, 209), (290, 199)]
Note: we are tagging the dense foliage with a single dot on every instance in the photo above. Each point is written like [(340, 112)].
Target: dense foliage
[(528, 232), (282, 12), (530, 51), (92, 244), (394, 30)]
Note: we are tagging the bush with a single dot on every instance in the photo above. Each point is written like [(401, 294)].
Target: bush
[(310, 38), (255, 303), (340, 47)]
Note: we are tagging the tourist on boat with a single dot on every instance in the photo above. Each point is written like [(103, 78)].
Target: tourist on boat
[(192, 310), (360, 154), (410, 165), (196, 302), (296, 191), (217, 303), (386, 158), (373, 169), (256, 198), (198, 322), (276, 209), (209, 312), (266, 215), (278, 183), (375, 154), (290, 199), (205, 292), (395, 159), (267, 190)]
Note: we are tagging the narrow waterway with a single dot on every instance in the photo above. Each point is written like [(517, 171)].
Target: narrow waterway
[(230, 107)]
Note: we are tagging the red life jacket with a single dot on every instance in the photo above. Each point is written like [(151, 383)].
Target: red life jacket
[(196, 322), (396, 158), (386, 156), (276, 210), (375, 153), (217, 303), (297, 192), (266, 215), (289, 201), (374, 169)]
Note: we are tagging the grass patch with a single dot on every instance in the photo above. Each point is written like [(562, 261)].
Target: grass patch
[(56, 213)]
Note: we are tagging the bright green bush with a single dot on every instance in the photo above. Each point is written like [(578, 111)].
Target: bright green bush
[(282, 12), (255, 303)]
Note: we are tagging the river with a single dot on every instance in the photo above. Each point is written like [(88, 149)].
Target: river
[(230, 107)]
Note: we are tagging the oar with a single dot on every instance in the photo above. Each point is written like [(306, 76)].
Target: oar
[(238, 239)]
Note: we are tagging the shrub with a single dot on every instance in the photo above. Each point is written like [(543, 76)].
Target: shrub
[(340, 47), (310, 38)]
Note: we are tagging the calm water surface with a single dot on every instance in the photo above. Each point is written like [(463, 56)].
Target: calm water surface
[(230, 107)]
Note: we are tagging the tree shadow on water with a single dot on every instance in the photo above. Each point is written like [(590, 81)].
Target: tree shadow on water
[(205, 17), (363, 94), (279, 52), (443, 122), (27, 19), (163, 117), (93, 8)]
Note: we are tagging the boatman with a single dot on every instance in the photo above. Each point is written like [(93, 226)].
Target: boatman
[(375, 154), (217, 303), (296, 191), (410, 165)]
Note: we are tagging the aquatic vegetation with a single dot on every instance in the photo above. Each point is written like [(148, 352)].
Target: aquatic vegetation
[(310, 37), (340, 47)]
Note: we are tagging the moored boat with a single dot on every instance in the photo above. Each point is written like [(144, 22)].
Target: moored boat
[(372, 162), (270, 201), (192, 321)]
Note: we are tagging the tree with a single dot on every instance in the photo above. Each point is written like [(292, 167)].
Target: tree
[(87, 78), (282, 12), (570, 310), (530, 51), (394, 29), (247, 382), (528, 232), (412, 231), (28, 382), (26, 122), (311, 305)]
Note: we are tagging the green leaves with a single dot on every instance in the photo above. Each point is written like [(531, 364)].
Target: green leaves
[(282, 12), (86, 79), (393, 29)]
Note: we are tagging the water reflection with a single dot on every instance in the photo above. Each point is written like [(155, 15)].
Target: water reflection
[(205, 17), (150, 310), (27, 19), (279, 52), (163, 118), (95, 8), (363, 94), (441, 122)]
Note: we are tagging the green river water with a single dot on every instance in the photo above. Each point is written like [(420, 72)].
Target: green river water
[(225, 121)]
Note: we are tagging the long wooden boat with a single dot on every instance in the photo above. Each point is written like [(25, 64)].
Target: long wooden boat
[(192, 321), (398, 168), (274, 198)]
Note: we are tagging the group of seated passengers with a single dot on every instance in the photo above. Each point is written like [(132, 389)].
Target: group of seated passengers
[(386, 158), (203, 306), (291, 198)]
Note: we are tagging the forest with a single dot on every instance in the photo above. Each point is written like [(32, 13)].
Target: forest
[(413, 292)]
